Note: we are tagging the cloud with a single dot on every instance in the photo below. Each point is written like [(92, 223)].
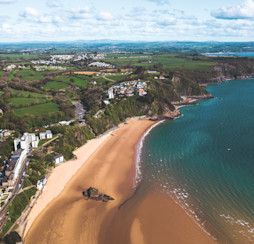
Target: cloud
[(167, 21), (81, 13), (54, 4), (242, 11), (33, 16), (7, 1), (105, 16), (160, 2), (29, 12)]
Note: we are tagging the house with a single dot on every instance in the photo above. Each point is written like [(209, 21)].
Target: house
[(161, 77), (142, 92), (41, 183), (111, 93), (49, 134), (43, 135), (106, 102), (156, 77), (59, 158), (65, 122)]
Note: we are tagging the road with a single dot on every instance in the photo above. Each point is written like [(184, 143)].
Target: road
[(3, 215)]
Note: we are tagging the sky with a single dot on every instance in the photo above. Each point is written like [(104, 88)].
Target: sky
[(135, 20)]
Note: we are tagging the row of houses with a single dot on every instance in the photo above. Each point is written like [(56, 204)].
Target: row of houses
[(127, 89), (13, 66), (161, 77), (67, 58), (46, 135), (12, 168), (101, 65)]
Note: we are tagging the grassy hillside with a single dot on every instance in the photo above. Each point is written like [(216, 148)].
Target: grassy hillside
[(38, 110)]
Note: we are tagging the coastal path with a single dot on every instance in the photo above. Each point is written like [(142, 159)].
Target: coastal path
[(26, 188)]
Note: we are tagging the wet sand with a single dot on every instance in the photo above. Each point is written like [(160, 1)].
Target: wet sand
[(140, 218)]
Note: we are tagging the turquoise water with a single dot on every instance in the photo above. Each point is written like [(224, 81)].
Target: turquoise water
[(205, 160), (240, 54)]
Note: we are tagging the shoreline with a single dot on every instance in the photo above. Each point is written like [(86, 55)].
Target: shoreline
[(139, 147), (112, 169), (69, 169)]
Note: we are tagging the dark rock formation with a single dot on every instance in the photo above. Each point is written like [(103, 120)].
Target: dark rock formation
[(94, 194)]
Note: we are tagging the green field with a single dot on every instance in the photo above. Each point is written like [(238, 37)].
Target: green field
[(19, 93), (174, 62), (169, 61), (79, 80), (18, 56), (37, 110), (128, 55), (30, 75), (116, 77), (24, 101), (121, 62), (56, 85), (101, 80)]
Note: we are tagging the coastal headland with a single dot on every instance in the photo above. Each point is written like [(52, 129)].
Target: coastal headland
[(111, 168)]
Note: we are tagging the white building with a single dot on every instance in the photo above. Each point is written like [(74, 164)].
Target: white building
[(49, 134), (59, 158), (26, 141), (46, 135), (43, 135), (41, 183), (111, 93), (106, 102), (19, 164)]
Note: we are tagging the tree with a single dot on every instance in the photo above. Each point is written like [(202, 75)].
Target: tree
[(12, 238)]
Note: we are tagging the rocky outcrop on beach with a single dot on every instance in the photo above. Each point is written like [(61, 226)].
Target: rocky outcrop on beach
[(94, 194), (168, 114)]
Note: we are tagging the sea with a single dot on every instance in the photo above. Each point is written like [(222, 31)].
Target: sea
[(239, 54), (204, 160)]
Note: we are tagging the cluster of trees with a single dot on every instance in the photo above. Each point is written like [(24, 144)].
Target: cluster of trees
[(17, 206), (72, 138), (115, 114), (6, 149), (39, 163)]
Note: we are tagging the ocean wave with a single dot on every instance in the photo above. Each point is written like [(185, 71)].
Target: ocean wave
[(139, 147), (242, 226)]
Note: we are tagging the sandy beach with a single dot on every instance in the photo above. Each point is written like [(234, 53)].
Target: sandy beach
[(131, 218), (61, 176)]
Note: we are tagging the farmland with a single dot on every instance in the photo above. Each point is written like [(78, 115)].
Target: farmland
[(23, 101), (55, 85), (30, 75), (78, 80), (116, 77), (20, 56), (37, 110), (20, 93), (168, 61)]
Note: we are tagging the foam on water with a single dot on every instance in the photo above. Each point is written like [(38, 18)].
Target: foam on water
[(188, 160), (139, 147)]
